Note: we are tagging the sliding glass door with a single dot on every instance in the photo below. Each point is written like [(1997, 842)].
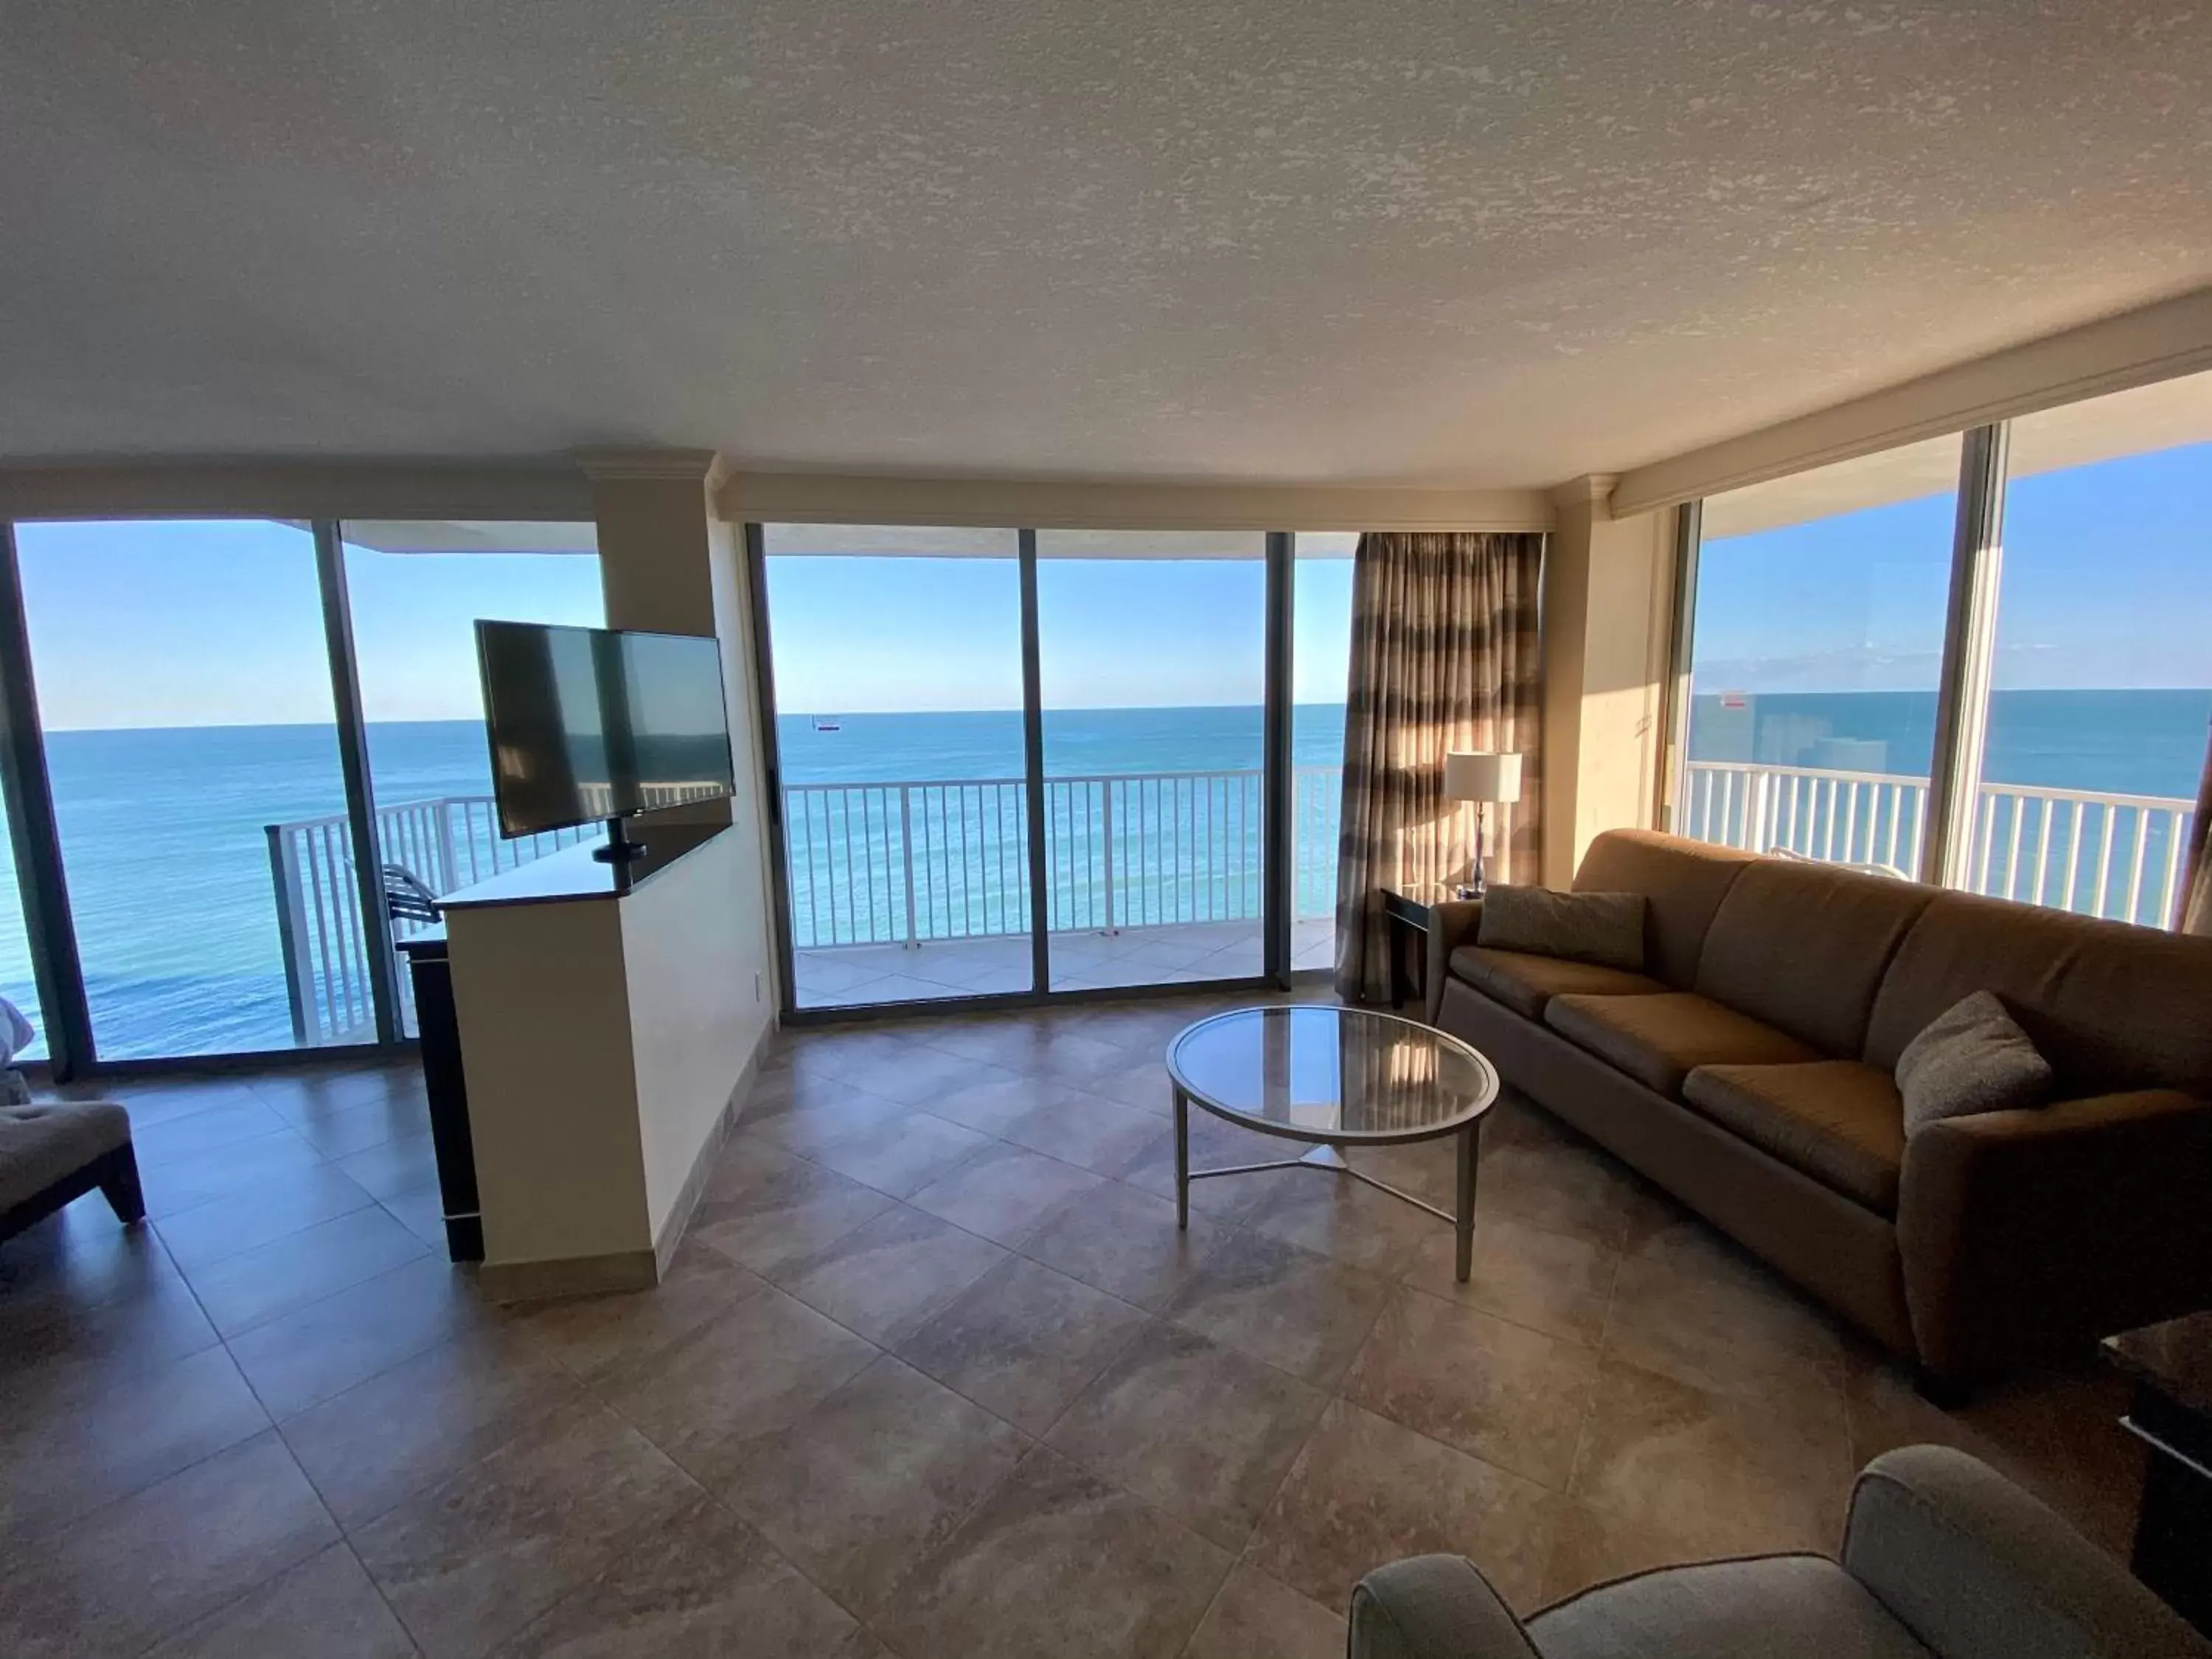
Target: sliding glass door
[(1152, 648), (1321, 674), (416, 589), (897, 682), (186, 697)]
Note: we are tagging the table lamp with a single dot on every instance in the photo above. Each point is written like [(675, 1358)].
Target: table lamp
[(1481, 777)]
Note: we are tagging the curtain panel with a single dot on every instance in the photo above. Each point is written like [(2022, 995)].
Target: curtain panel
[(2196, 910), (1445, 655)]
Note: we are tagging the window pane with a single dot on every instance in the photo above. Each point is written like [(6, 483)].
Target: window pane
[(1321, 670), (898, 693), (1152, 650), (417, 589), (2102, 683), (186, 698), (1816, 652)]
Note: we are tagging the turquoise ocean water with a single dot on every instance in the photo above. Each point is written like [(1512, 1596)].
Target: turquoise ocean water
[(163, 831)]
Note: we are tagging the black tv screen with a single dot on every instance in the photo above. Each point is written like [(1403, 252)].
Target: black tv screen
[(590, 723)]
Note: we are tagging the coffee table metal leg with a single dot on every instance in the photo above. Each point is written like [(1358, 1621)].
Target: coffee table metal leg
[(1463, 1216), (1182, 1157)]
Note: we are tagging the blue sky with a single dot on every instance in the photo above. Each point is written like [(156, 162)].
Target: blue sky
[(2107, 583)]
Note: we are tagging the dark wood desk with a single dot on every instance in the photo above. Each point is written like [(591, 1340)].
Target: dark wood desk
[(2172, 1415), (1405, 910)]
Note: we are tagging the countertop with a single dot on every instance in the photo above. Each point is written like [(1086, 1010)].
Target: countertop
[(573, 873)]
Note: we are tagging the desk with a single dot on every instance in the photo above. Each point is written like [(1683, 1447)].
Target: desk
[(2172, 1415)]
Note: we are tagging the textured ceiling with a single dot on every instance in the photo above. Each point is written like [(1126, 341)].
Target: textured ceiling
[(1433, 241)]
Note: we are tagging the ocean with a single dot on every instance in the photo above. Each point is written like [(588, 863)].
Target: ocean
[(163, 831)]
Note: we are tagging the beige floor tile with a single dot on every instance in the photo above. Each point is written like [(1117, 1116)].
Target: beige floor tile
[(230, 1225), (1255, 1618), (1198, 1429), (263, 1163), (903, 1154), (1299, 1312), (303, 1357), (1365, 1491), (53, 1349), (1057, 1561), (888, 1275), (1501, 1392), (255, 1285), (1023, 1342), (1550, 1282), (377, 1444), (756, 1369), (1125, 1242), (593, 1336), (1004, 1193), (701, 1584), (391, 1167), (1658, 1455), (1085, 1130), (109, 1443), (325, 1607), (783, 1213), (859, 1489), (1349, 1221), (992, 1107), (125, 1576), (810, 1123), (472, 1560), (225, 1121), (1562, 1186)]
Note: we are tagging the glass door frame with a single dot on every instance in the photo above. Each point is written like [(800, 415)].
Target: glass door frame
[(1276, 872)]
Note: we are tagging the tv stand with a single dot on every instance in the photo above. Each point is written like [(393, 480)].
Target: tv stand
[(620, 848)]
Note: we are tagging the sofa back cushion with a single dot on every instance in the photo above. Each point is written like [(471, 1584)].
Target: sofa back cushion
[(1804, 946), (1604, 928), (1682, 882), (2110, 1007)]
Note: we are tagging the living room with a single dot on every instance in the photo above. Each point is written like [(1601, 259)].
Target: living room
[(1454, 862)]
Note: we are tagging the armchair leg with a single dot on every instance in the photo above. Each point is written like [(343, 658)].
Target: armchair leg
[(118, 1184)]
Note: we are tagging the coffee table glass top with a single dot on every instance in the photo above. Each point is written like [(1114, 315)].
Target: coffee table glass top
[(1315, 1072)]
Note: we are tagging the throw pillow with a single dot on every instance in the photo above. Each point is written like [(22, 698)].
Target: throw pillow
[(1605, 928), (1973, 1058)]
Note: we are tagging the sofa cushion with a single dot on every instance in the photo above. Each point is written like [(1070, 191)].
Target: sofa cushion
[(1974, 1058), (45, 1144), (1605, 928), (1837, 1120), (1682, 882), (1524, 981), (2110, 1007), (1803, 947), (1660, 1040)]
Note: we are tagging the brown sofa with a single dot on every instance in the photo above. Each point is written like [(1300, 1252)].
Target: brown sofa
[(1748, 1071)]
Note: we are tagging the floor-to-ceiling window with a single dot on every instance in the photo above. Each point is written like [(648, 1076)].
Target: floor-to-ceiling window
[(185, 693), (1817, 647), (2102, 664), (1321, 670), (18, 978), (897, 684), (1152, 647), (416, 590)]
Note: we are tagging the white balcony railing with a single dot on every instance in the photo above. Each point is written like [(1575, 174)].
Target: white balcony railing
[(2097, 854), (868, 863)]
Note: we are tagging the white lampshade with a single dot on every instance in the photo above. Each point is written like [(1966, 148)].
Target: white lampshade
[(1482, 776)]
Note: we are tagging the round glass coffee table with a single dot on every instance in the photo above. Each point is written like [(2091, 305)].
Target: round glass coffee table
[(1332, 1077)]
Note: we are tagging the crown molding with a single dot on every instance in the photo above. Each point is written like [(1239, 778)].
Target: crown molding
[(292, 490), (691, 465)]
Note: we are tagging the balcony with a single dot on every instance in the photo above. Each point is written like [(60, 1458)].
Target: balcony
[(899, 891), (2115, 856)]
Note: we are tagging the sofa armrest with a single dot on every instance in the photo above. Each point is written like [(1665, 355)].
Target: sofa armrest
[(1452, 923), (2023, 1233), (1977, 1569), (1433, 1607)]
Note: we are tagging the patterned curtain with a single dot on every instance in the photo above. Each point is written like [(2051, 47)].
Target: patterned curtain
[(1444, 656), (2195, 915)]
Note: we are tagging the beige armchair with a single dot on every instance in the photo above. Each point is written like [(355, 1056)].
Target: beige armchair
[(1941, 1556)]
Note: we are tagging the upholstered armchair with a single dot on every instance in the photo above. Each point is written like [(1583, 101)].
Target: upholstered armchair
[(1941, 1556)]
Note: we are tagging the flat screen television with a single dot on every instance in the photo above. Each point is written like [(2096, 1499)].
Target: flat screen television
[(594, 723)]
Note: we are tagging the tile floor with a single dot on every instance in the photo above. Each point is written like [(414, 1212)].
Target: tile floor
[(935, 1375), (853, 975)]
